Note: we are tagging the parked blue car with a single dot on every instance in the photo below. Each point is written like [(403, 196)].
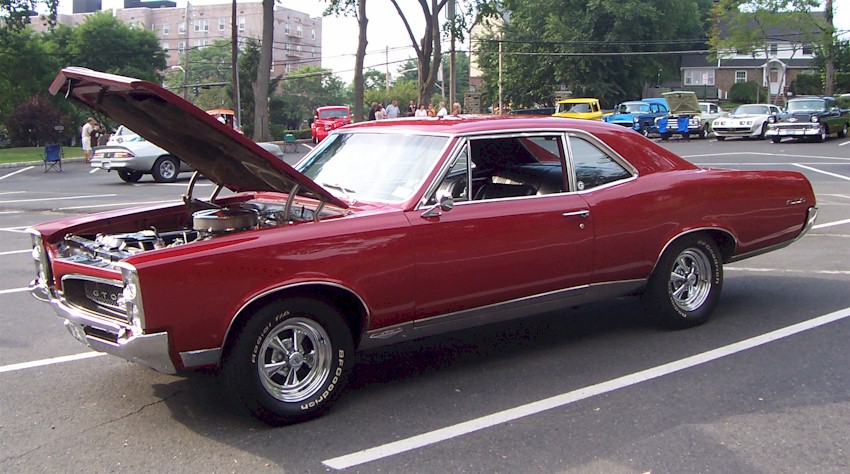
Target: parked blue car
[(639, 114)]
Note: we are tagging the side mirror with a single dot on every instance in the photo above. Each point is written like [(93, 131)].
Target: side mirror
[(445, 203)]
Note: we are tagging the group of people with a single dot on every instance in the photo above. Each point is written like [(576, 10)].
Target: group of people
[(378, 112), (92, 135)]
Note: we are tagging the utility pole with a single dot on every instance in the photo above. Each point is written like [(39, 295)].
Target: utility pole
[(500, 74), (186, 58), (451, 13), (234, 51), (387, 60)]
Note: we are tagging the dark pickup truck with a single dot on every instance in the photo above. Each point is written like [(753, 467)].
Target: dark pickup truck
[(809, 117)]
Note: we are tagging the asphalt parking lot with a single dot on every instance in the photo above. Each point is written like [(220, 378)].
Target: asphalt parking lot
[(764, 387)]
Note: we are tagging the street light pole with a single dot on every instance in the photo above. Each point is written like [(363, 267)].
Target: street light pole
[(180, 68)]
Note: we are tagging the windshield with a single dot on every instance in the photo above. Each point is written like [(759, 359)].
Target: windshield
[(632, 108), (752, 110), (335, 113), (373, 166), (805, 105)]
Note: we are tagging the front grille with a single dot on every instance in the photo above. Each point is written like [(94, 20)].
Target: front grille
[(98, 296)]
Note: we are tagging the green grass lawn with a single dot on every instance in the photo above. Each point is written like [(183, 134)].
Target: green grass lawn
[(25, 154)]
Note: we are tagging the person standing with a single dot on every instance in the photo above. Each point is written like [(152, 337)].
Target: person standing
[(379, 112), (421, 111), (456, 108), (85, 138), (442, 112), (372, 111), (411, 109), (392, 110)]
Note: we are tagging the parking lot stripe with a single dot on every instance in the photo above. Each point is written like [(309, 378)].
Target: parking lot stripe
[(834, 175), (15, 252), (13, 290), (117, 204), (54, 360), (471, 426), (13, 173), (65, 198), (830, 224)]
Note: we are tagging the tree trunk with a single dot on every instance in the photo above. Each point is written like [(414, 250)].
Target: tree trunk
[(359, 87), (829, 73), (261, 85)]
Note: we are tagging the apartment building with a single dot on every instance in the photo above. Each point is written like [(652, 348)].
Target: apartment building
[(297, 36)]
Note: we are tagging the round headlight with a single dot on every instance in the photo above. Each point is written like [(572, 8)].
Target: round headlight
[(771, 119), (814, 118)]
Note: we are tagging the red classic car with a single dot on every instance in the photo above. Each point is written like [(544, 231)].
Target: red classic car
[(327, 119), (278, 279)]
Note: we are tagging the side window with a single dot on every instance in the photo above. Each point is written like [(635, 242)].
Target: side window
[(506, 167), (593, 167)]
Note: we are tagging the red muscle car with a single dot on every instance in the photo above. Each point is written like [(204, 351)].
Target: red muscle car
[(327, 119), (281, 274)]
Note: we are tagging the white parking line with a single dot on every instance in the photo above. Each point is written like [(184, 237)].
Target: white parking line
[(834, 175), (17, 230), (13, 290), (471, 426), (54, 360), (15, 252), (13, 173), (783, 270), (116, 204), (65, 198), (830, 224)]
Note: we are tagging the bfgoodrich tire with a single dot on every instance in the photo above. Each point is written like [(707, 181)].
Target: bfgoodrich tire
[(685, 288), (289, 362)]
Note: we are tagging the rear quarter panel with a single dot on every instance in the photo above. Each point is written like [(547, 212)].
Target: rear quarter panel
[(635, 220)]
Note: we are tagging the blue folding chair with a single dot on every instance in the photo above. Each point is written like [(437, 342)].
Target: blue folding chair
[(53, 157)]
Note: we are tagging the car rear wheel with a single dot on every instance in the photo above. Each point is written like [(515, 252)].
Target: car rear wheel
[(843, 132), (685, 288), (165, 169), (289, 362), (776, 139), (703, 132), (130, 176), (720, 139)]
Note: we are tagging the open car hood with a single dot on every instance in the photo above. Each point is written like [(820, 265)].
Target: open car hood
[(219, 153), (682, 102)]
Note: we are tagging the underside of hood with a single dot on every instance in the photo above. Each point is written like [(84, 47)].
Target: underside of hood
[(219, 153), (682, 102)]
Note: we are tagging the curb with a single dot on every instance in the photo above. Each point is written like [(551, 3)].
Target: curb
[(22, 164)]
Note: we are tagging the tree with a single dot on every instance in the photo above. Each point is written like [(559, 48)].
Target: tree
[(249, 61), (428, 49), (16, 14), (747, 26), (606, 49), (358, 9), (27, 67), (210, 67), (104, 43)]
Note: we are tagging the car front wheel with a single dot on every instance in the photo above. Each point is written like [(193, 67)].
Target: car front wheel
[(289, 362), (165, 169), (685, 287), (843, 132), (823, 134)]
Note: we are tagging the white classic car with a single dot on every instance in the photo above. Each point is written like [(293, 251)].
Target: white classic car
[(747, 121)]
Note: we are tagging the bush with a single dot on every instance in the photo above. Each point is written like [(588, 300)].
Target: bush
[(33, 123), (807, 84), (748, 93), (278, 131)]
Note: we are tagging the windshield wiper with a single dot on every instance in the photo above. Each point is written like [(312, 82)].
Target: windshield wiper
[(349, 193)]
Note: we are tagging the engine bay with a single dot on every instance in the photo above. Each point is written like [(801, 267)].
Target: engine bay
[(103, 249)]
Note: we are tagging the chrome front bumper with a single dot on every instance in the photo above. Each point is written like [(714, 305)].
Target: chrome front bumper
[(111, 337)]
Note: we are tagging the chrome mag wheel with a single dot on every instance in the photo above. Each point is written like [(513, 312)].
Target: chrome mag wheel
[(690, 280), (295, 359)]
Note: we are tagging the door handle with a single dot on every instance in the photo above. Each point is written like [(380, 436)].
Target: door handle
[(584, 213)]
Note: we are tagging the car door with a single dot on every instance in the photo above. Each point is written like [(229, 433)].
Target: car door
[(522, 234)]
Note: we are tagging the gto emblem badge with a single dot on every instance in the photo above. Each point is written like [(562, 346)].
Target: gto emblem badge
[(792, 119)]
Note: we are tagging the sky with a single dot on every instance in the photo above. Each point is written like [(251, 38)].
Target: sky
[(387, 36)]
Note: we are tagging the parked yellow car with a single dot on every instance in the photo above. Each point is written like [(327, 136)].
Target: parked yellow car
[(580, 107)]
